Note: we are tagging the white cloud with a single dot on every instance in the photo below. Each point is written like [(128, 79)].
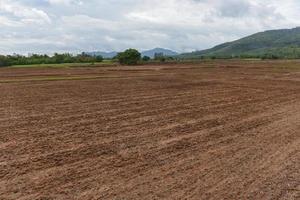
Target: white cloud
[(81, 21), (65, 2), (5, 21), (23, 13), (182, 25)]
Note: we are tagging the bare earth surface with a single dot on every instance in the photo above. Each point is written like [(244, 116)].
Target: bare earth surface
[(222, 130)]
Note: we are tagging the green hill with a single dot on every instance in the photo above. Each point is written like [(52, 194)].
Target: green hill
[(283, 43)]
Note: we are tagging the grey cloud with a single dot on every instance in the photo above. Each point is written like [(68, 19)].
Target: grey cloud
[(235, 8), (46, 26)]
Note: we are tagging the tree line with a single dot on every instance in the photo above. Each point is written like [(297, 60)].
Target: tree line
[(128, 57), (133, 57), (46, 59)]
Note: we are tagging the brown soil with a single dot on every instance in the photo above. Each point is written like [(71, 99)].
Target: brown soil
[(221, 130)]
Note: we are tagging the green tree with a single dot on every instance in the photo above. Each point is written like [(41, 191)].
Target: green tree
[(45, 59), (146, 58), (129, 57), (160, 57), (98, 58), (4, 61), (58, 58)]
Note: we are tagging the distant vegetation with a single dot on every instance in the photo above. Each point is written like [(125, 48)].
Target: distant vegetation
[(129, 57), (275, 44), (45, 59), (133, 57), (149, 53), (166, 52), (146, 58)]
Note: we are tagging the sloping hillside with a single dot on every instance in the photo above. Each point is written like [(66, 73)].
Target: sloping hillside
[(280, 43)]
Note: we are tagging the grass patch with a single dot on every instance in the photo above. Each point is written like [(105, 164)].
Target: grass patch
[(70, 78), (287, 67), (54, 78), (67, 65)]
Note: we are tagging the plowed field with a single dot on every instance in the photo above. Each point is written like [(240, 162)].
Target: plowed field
[(215, 130)]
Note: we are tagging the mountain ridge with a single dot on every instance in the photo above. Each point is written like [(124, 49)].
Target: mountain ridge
[(281, 43), (166, 52), (150, 53)]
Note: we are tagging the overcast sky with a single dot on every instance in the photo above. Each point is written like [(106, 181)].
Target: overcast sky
[(46, 26)]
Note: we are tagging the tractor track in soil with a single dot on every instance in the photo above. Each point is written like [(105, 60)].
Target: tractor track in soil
[(220, 130)]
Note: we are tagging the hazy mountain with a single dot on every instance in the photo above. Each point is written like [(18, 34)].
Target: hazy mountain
[(103, 54), (150, 53), (166, 52), (282, 43)]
